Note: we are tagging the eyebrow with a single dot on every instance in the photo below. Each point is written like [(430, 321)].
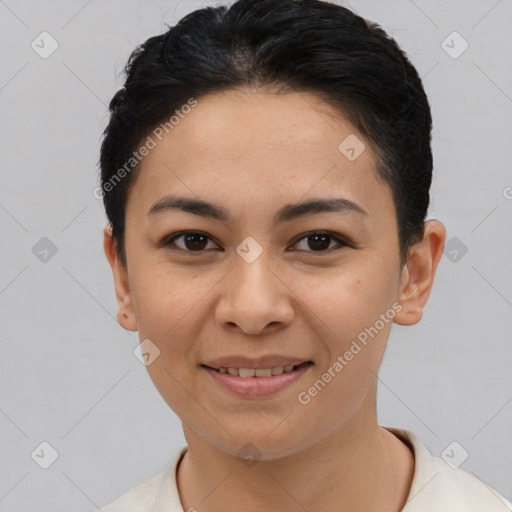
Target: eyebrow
[(286, 214)]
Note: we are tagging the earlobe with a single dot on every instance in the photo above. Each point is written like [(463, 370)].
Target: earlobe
[(125, 312), (418, 273)]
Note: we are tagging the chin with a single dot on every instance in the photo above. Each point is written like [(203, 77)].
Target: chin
[(263, 445)]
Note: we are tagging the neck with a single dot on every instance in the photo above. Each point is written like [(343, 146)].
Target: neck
[(361, 466)]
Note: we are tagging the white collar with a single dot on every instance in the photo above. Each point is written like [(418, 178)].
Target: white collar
[(435, 484)]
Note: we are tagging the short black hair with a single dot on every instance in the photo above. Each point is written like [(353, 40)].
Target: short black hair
[(280, 46)]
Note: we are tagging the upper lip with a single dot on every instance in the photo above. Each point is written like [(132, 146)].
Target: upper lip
[(261, 362)]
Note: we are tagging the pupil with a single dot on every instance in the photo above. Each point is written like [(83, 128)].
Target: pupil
[(191, 241), (320, 240), (317, 242)]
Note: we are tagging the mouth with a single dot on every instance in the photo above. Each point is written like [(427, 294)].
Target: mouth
[(271, 371), (256, 383)]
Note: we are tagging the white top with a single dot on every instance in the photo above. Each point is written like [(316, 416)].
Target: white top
[(436, 487)]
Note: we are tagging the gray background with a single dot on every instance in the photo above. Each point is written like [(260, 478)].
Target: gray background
[(68, 375)]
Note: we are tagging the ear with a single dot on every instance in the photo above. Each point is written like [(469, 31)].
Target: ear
[(125, 312), (418, 273)]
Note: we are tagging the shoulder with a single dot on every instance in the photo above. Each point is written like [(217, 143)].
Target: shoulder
[(458, 487), (438, 486), (140, 498), (157, 493)]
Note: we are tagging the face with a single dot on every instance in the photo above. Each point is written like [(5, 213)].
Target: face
[(255, 275)]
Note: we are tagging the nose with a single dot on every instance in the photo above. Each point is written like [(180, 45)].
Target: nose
[(254, 298)]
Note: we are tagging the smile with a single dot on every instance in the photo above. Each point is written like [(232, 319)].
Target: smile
[(257, 382), (259, 372)]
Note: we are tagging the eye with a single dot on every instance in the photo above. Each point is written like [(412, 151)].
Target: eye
[(196, 241), (319, 241), (193, 241)]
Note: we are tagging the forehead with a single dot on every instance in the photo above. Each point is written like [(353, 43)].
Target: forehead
[(241, 124), (265, 146)]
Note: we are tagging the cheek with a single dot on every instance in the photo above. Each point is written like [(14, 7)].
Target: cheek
[(168, 306), (345, 308), (348, 308), (165, 301), (342, 302)]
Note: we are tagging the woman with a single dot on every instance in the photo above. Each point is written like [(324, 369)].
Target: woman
[(266, 173)]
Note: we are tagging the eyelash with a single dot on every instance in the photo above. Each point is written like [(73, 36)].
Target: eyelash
[(169, 240)]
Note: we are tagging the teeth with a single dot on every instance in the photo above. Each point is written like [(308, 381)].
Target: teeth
[(256, 372), (263, 372)]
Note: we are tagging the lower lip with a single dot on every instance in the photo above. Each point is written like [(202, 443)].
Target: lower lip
[(252, 387)]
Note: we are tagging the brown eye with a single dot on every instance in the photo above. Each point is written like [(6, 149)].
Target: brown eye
[(191, 241), (319, 241), (195, 242)]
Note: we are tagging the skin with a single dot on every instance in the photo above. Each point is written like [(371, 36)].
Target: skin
[(252, 153)]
